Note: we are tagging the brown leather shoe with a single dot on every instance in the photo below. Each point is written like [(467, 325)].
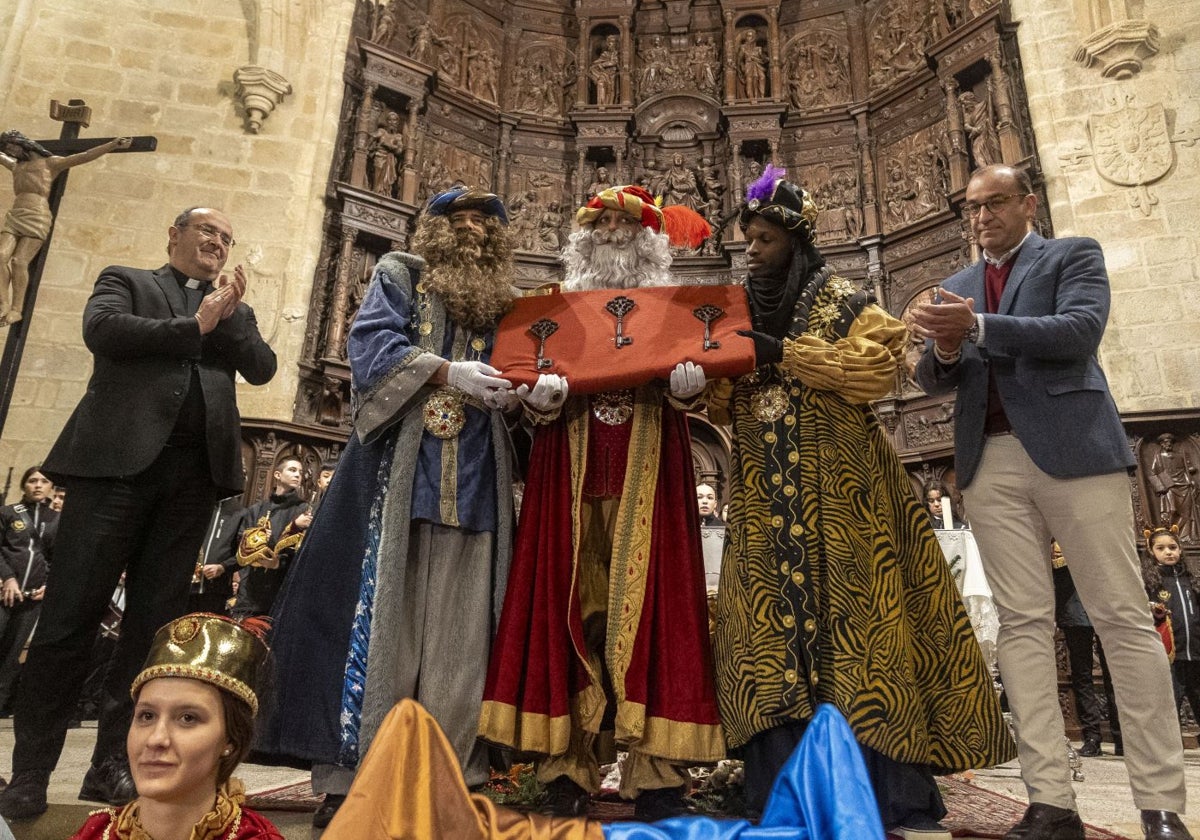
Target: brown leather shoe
[(1047, 822), (1164, 825)]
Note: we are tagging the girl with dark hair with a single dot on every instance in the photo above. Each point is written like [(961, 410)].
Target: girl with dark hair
[(193, 723), (1175, 596)]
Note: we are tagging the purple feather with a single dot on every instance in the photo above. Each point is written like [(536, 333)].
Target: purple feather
[(764, 187)]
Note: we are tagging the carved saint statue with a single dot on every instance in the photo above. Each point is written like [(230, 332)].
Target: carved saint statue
[(385, 24), (423, 40), (751, 65), (550, 228), (704, 61), (601, 183), (980, 128), (27, 223), (680, 185), (1173, 478), (387, 146), (656, 62), (603, 72), (482, 68)]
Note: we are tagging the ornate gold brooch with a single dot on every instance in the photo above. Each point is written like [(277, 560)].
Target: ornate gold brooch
[(769, 402), (444, 414), (613, 407)]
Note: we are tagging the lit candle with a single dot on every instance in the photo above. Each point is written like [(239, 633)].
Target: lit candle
[(947, 514)]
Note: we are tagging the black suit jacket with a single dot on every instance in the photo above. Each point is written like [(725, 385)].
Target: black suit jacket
[(144, 345)]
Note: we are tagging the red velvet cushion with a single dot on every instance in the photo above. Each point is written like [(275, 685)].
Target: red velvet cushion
[(662, 325)]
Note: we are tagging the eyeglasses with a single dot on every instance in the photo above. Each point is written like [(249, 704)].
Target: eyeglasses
[(994, 204), (210, 232)]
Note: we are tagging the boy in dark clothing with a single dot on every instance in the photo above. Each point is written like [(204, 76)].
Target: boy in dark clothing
[(27, 532), (265, 540)]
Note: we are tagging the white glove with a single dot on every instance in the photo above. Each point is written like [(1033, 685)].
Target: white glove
[(501, 400), (476, 379), (549, 392), (687, 380)]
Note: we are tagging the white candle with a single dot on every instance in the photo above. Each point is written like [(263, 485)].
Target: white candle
[(947, 514)]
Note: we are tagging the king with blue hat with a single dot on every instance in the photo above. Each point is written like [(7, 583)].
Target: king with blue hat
[(415, 530)]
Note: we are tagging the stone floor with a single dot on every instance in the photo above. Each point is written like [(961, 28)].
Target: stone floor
[(1104, 798)]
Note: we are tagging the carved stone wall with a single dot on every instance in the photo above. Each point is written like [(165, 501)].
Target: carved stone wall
[(1122, 165), (880, 108)]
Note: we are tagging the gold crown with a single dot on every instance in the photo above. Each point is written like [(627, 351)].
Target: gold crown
[(210, 648)]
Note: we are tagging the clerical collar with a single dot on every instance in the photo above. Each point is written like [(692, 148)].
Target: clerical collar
[(188, 282), (998, 262)]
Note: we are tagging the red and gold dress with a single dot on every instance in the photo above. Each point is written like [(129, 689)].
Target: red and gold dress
[(228, 820)]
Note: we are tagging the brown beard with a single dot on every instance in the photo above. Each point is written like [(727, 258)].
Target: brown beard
[(472, 275)]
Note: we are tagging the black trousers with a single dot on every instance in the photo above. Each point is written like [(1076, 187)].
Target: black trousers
[(900, 789), (1186, 673), (1080, 642), (148, 526)]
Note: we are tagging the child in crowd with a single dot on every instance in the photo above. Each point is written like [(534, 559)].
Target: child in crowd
[(1175, 593)]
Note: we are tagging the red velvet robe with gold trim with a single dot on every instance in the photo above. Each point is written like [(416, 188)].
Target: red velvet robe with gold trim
[(657, 642)]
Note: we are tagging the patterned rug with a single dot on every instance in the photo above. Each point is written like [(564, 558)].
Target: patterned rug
[(974, 811)]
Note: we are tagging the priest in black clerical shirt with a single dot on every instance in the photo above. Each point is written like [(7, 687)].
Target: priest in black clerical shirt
[(152, 445)]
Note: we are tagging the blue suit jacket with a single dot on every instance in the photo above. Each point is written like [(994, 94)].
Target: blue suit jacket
[(1041, 345)]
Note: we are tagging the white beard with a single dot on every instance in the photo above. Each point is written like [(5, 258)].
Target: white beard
[(600, 260)]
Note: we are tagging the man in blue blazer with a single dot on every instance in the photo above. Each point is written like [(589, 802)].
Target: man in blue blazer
[(1040, 451), (153, 443)]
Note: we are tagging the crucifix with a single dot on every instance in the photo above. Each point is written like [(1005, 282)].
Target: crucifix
[(40, 171)]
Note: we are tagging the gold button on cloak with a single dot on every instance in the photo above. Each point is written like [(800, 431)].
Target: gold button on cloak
[(797, 529), (789, 490), (477, 344), (810, 626), (425, 328), (798, 577), (776, 521), (789, 621), (790, 675)]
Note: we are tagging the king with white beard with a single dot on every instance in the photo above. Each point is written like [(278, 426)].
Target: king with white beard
[(603, 639)]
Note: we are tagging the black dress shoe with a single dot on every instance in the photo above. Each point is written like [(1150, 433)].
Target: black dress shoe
[(564, 798), (1047, 822), (1090, 748), (1164, 825), (329, 807), (109, 781), (659, 804), (25, 796)]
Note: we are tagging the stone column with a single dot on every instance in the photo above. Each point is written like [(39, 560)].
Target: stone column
[(959, 164), (856, 36), (865, 145), (626, 73), (579, 185), (506, 126), (619, 175), (739, 191), (411, 178), (730, 60), (335, 332), (582, 62), (1010, 136), (776, 77), (362, 135)]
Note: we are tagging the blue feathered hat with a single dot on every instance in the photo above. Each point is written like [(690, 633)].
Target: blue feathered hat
[(467, 198)]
